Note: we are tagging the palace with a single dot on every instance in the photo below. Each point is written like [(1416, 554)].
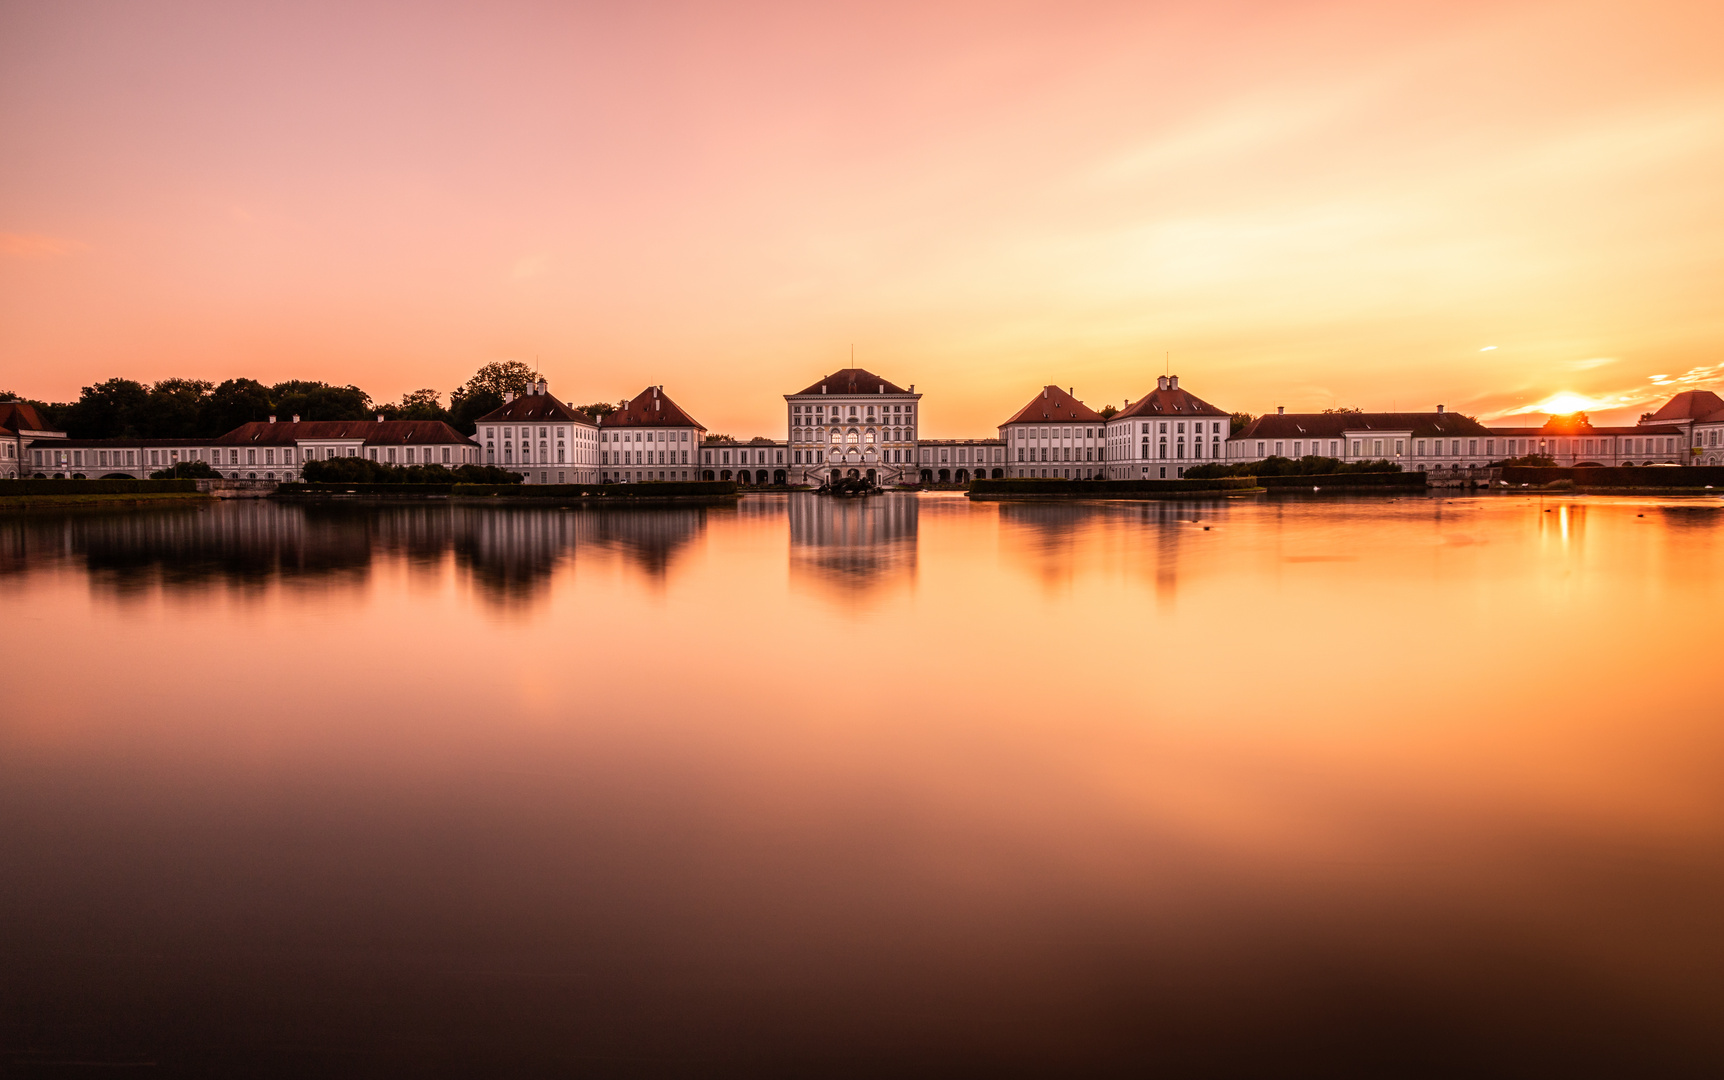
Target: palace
[(856, 424)]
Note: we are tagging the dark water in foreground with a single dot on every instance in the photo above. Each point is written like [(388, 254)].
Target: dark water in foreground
[(1416, 787)]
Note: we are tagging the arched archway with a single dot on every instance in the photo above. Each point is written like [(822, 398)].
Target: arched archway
[(778, 477), (724, 474), (707, 475), (870, 475), (945, 476), (963, 476), (837, 474), (999, 474), (927, 476), (854, 475), (760, 477)]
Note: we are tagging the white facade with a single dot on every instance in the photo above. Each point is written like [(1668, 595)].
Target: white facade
[(541, 438), (853, 423), (1163, 433), (649, 438)]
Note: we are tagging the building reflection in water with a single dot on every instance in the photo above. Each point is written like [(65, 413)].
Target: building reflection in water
[(852, 547), (1056, 541), (509, 551)]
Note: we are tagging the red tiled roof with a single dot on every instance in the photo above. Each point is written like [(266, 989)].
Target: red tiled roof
[(1166, 401), (109, 444), (853, 380), (1055, 406), (651, 408), (1690, 405), (534, 408), (1334, 425), (371, 432), (22, 416), (1573, 432)]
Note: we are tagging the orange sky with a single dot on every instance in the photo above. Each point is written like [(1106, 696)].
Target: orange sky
[(1307, 204)]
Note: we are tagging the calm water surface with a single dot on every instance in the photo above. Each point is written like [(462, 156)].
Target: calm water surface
[(1414, 787)]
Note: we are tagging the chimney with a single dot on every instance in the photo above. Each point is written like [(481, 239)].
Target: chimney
[(1439, 408), (272, 419), (296, 418), (1280, 410), (380, 418), (541, 387), (1161, 382), (1173, 382), (1044, 393), (1071, 391), (508, 396)]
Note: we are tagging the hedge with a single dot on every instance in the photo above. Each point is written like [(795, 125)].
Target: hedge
[(1620, 476), (1340, 480), (1106, 488), (654, 490), (95, 487)]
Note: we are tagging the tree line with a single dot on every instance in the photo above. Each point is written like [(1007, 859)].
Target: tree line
[(200, 409)]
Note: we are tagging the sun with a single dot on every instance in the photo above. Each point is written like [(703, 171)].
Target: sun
[(1565, 402)]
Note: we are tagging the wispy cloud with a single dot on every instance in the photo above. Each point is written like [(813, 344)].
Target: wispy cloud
[(37, 246)]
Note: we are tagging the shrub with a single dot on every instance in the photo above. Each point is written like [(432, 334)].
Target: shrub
[(1309, 465), (186, 470)]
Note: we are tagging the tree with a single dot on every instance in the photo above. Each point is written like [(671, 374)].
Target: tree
[(715, 437), (236, 402), (484, 391), (1240, 419), (1343, 412), (1108, 411), (598, 410), (311, 400), (175, 409), (417, 405), (109, 410), (502, 376)]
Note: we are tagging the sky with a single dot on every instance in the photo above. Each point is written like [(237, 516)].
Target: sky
[(1309, 205)]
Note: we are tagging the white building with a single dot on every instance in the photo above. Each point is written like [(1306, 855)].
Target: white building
[(1054, 435), (958, 461), (1425, 441), (853, 423), (541, 438), (267, 450), (1163, 433), (28, 445), (757, 461), (649, 438)]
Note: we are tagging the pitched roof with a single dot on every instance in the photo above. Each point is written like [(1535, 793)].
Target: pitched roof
[(852, 380), (1573, 432), (652, 407), (22, 416), (1166, 400), (127, 444), (370, 432), (1689, 405), (534, 408), (1335, 425), (1055, 406)]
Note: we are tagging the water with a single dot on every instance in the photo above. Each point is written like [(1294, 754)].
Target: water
[(1409, 787)]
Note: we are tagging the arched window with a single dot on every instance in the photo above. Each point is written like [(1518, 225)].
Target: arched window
[(868, 436), (837, 437), (853, 436)]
